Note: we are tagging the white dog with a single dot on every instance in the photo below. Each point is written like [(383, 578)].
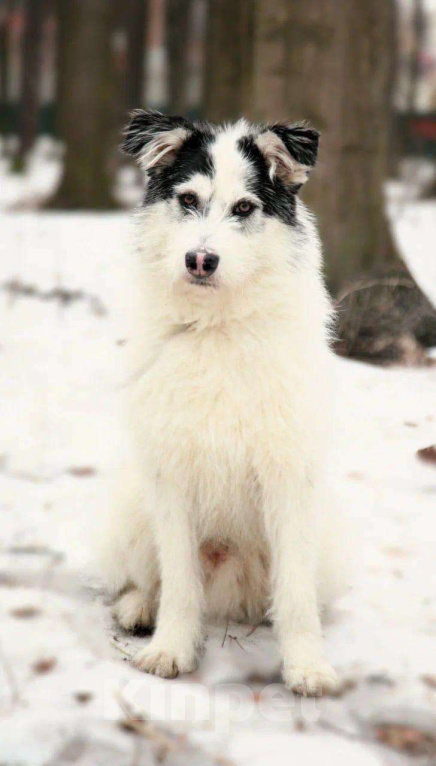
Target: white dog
[(224, 511)]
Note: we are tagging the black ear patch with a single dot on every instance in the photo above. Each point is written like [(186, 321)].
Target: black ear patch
[(154, 138), (289, 150), (300, 140)]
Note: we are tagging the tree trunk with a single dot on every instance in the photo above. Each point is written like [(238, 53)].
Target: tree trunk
[(4, 52), (330, 62), (229, 40), (265, 88), (178, 32), (339, 77), (31, 77), (86, 98), (135, 25), (417, 38)]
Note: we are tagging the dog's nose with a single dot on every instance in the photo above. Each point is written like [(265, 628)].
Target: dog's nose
[(201, 264)]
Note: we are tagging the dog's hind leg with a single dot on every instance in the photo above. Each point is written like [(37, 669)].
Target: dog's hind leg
[(135, 610), (136, 607)]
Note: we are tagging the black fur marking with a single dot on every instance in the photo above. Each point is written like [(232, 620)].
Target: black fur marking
[(192, 157), (277, 199), (300, 141), (145, 125)]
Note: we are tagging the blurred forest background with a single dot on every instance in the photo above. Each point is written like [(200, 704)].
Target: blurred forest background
[(361, 71)]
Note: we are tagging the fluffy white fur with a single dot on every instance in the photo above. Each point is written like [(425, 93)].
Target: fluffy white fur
[(228, 406)]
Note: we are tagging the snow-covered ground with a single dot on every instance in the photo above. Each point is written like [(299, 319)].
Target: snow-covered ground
[(66, 685)]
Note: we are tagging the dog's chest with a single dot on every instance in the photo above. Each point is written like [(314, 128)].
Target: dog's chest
[(202, 387), (212, 400), (213, 408)]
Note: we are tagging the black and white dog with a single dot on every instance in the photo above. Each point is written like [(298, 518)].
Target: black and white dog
[(224, 510)]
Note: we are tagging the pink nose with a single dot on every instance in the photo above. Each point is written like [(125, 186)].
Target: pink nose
[(201, 264)]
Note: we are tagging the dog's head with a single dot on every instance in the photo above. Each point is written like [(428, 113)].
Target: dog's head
[(219, 199)]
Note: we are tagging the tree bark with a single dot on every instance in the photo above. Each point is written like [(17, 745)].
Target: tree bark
[(327, 61), (229, 51), (330, 62), (31, 77), (266, 86), (135, 25), (178, 31), (339, 77), (417, 37), (4, 52), (87, 102)]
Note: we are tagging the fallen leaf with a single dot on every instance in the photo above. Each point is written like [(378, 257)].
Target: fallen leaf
[(299, 725), (83, 697), (82, 471), (25, 612), (356, 475), (428, 454), (45, 665), (380, 679), (395, 551), (7, 579), (406, 738)]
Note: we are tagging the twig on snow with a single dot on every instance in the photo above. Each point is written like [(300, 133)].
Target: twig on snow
[(10, 677), (138, 722)]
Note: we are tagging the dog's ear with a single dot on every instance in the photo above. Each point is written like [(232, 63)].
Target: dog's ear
[(290, 151), (154, 139)]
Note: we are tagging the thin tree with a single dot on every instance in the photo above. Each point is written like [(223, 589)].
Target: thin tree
[(418, 30), (135, 22), (229, 58), (87, 102), (34, 15), (4, 52), (178, 28)]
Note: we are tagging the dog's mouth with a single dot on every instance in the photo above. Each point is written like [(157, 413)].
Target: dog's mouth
[(202, 281)]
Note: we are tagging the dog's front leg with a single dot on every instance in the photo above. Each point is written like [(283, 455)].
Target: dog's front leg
[(175, 645), (289, 509)]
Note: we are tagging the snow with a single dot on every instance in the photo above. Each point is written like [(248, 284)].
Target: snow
[(61, 367)]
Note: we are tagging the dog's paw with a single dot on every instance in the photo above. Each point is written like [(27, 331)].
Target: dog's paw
[(312, 680), (132, 611), (164, 663)]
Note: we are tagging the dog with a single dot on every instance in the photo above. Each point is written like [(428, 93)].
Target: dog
[(224, 511)]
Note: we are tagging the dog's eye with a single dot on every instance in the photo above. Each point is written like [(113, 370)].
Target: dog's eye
[(243, 208), (188, 200)]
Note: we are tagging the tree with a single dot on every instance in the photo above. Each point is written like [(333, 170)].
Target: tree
[(418, 32), (4, 53), (330, 62), (327, 61), (178, 30), (35, 11), (228, 58), (134, 20), (86, 102), (346, 54), (340, 56)]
